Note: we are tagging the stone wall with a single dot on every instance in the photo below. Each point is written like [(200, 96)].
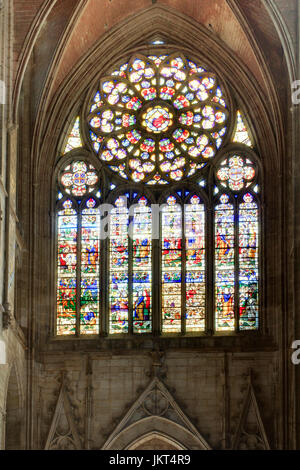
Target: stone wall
[(211, 390), (12, 341)]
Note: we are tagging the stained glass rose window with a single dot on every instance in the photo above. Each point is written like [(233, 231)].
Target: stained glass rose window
[(157, 119)]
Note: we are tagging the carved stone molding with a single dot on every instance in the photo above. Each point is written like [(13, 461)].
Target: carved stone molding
[(156, 411), (158, 367), (7, 316), (63, 434), (250, 434), (2, 414)]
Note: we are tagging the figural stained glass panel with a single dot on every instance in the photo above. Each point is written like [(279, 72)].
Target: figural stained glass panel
[(78, 232), (224, 265), (118, 273), (142, 267), (90, 289), (67, 230), (195, 265), (248, 263), (171, 247)]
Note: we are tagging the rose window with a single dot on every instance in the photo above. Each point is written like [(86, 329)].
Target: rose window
[(158, 119)]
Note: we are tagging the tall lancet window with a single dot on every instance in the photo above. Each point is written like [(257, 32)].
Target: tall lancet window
[(158, 207), (237, 245), (131, 265), (142, 267), (119, 268), (172, 266), (183, 264), (78, 244)]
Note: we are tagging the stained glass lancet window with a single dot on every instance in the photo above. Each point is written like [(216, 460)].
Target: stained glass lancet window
[(195, 265), (142, 267), (224, 264), (236, 246), (171, 240), (78, 243), (248, 263), (89, 288), (159, 122), (67, 230), (119, 275), (131, 266), (183, 265)]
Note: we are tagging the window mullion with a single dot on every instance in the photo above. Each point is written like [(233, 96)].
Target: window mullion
[(236, 267), (156, 287), (78, 271), (183, 272), (130, 279), (159, 271), (210, 265), (103, 284)]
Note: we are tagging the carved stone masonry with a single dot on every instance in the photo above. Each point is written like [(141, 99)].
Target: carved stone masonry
[(158, 368), (7, 316), (63, 433), (156, 411), (250, 434)]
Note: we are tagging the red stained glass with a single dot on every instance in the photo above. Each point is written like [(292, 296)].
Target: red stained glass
[(189, 97), (224, 265), (66, 269), (79, 178)]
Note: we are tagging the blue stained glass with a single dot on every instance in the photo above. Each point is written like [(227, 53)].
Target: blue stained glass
[(142, 267), (224, 265), (118, 295)]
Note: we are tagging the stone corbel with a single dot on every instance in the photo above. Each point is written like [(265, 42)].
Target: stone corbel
[(7, 316), (158, 367)]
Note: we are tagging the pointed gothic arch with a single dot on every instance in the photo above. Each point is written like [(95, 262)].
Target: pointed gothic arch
[(155, 413), (155, 441), (69, 93), (180, 32)]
